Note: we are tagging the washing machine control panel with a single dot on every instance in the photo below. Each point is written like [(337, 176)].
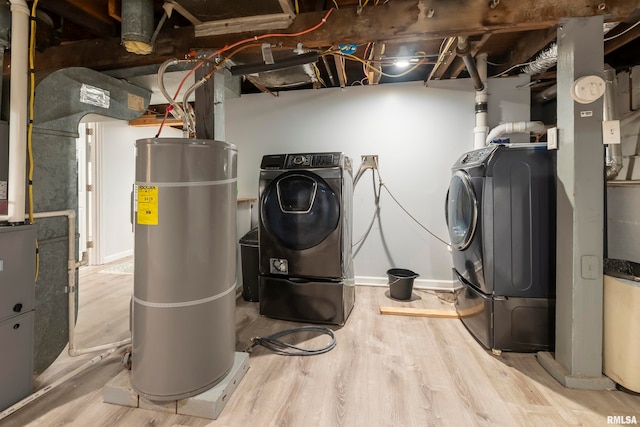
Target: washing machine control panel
[(476, 156), (312, 160)]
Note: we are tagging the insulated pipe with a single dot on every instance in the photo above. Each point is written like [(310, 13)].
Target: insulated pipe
[(613, 152), (516, 127), (481, 128), (19, 88), (464, 52)]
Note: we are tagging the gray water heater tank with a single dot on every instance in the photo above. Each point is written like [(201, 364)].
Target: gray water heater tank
[(183, 325)]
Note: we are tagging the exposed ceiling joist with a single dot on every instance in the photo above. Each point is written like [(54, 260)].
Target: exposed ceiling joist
[(87, 14), (408, 20), (411, 21), (619, 41), (458, 64), (445, 59), (376, 56)]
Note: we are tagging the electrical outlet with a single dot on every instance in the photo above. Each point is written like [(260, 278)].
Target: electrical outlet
[(369, 161), (552, 139), (611, 132)]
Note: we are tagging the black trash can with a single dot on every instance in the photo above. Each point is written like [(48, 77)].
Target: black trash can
[(249, 257)]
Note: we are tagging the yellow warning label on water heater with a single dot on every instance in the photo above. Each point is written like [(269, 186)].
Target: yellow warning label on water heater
[(147, 204)]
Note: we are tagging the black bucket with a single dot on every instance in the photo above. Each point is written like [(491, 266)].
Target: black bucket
[(401, 283)]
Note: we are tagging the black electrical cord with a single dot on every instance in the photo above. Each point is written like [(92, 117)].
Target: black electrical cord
[(273, 343)]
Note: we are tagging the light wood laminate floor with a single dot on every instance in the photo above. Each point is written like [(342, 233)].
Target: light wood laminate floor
[(384, 371)]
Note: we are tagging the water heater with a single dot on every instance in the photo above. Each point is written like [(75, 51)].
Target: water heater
[(182, 319)]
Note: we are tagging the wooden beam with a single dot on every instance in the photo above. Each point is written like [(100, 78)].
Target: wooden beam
[(376, 55), (276, 21), (342, 78), (84, 14), (445, 59), (394, 21), (115, 9), (154, 120), (409, 20), (527, 46), (287, 7)]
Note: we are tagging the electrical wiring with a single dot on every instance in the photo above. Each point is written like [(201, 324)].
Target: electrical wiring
[(511, 68), (297, 8), (364, 55), (376, 213), (379, 70), (273, 342), (242, 42), (32, 95), (32, 83), (622, 32), (317, 70)]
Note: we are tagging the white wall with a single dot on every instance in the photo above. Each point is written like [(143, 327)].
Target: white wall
[(417, 132), (115, 170), (623, 199)]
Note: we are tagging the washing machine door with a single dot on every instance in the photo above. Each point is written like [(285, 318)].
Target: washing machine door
[(299, 210), (461, 210)]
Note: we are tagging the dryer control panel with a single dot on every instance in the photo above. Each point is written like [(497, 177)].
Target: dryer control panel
[(301, 161), (476, 156)]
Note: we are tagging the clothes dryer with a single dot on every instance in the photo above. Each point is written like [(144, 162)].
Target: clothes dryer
[(305, 217), (500, 212)]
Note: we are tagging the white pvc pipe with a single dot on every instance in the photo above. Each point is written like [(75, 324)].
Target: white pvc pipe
[(18, 110), (516, 127), (482, 127)]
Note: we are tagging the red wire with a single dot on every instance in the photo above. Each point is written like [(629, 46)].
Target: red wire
[(227, 47)]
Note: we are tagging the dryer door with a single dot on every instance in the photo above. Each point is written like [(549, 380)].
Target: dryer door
[(299, 210), (461, 210)]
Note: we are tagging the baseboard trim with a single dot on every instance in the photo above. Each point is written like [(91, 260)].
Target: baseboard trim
[(117, 256), (426, 284)]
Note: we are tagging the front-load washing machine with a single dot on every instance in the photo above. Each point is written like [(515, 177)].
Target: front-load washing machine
[(304, 234)]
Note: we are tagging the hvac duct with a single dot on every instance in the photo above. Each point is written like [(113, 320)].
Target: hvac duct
[(546, 95), (75, 92), (137, 26), (546, 59), (613, 153), (183, 321)]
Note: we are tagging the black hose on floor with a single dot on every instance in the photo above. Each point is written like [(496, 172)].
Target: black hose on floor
[(273, 343)]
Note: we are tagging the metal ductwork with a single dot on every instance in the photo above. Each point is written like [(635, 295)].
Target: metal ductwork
[(464, 52), (613, 153), (546, 59), (137, 26), (546, 95), (62, 99)]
